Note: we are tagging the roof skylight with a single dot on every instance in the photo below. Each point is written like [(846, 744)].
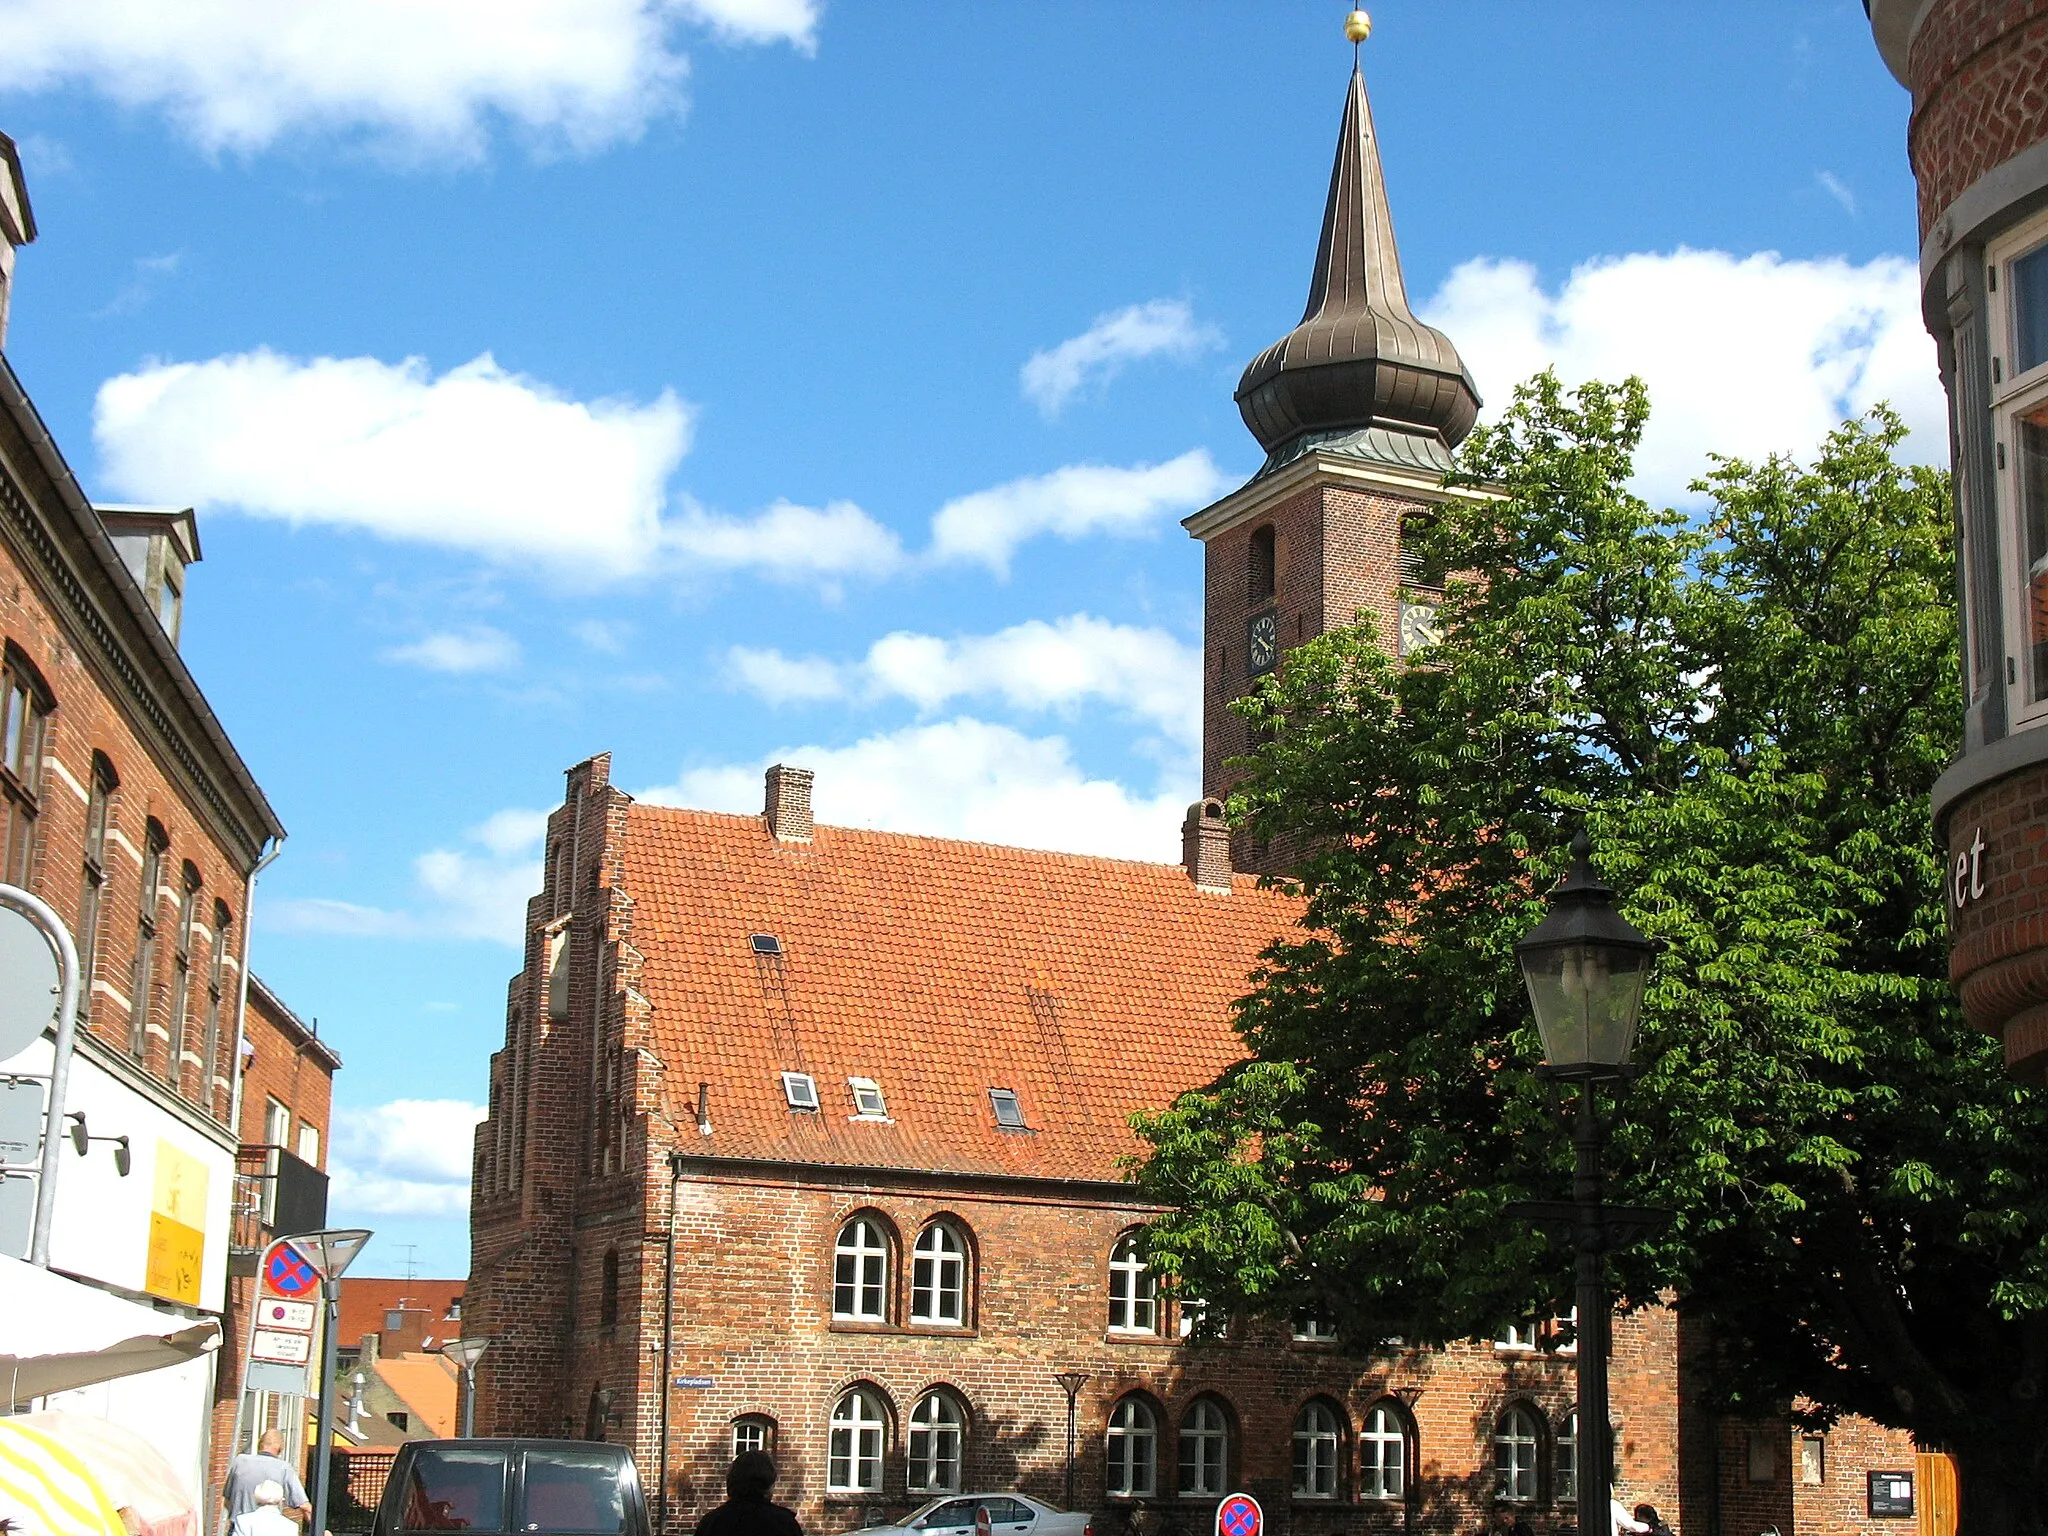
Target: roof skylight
[(765, 943), (1009, 1113), (868, 1102), (801, 1089)]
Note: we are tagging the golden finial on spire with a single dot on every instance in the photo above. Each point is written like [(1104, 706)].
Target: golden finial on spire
[(1357, 27)]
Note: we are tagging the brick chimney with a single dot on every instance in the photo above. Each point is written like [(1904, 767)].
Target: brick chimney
[(788, 810), (1205, 846)]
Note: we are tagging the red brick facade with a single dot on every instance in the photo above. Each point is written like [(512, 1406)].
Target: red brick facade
[(1979, 72)]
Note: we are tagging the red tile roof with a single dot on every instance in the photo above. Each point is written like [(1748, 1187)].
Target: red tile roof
[(1091, 987), (365, 1300), (426, 1385)]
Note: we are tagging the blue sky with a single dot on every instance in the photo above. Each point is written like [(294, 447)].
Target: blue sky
[(718, 381)]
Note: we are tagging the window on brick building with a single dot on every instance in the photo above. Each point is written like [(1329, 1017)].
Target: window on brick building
[(938, 1277), (1132, 1451), (2018, 282), (216, 997), (1193, 1317), (181, 973), (1318, 1443), (1517, 1440), (937, 1433), (98, 808), (309, 1144), (1311, 1329), (1009, 1113), (155, 844), (25, 705), (800, 1089), (860, 1272), (1565, 1459), (1263, 566), (1204, 1450), (1383, 1454), (753, 1432), (608, 1299), (1813, 1459), (1133, 1290), (853, 1452), (1518, 1336)]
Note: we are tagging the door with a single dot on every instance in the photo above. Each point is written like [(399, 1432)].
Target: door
[(1937, 1480), (1009, 1517)]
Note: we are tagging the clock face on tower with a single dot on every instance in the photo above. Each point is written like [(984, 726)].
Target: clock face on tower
[(1262, 642)]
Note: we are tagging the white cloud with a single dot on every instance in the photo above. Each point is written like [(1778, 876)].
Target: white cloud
[(607, 635), (1742, 355), (478, 648), (410, 1157), (475, 891), (961, 778), (144, 274), (421, 79), (477, 458), (986, 527), (1160, 328), (786, 542), (1838, 189), (1036, 666)]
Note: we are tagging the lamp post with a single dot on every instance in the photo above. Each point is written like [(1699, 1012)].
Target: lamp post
[(1585, 967), (465, 1353), (329, 1253), (1072, 1382)]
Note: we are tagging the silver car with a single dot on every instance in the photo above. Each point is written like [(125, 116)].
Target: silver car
[(1009, 1514)]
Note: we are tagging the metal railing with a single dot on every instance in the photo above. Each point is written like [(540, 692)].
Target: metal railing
[(275, 1192)]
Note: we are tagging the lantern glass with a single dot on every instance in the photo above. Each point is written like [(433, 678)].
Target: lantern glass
[(1587, 996)]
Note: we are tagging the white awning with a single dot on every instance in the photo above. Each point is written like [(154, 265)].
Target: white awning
[(57, 1333)]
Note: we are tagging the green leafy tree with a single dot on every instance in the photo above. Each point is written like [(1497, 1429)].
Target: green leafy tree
[(1746, 710)]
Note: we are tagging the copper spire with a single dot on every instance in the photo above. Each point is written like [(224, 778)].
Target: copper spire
[(1360, 375)]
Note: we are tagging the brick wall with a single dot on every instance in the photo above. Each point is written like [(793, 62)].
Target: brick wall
[(1979, 70), (1998, 955)]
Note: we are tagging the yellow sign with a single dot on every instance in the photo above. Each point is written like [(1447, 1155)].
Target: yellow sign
[(177, 1227)]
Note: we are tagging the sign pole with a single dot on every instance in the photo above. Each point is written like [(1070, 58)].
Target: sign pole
[(323, 1436)]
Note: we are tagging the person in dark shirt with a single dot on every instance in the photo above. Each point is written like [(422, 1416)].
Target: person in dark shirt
[(747, 1510)]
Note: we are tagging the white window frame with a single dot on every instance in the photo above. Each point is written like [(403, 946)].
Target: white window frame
[(1131, 1451), (1310, 1329), (2009, 397), (1204, 1430), (800, 1089), (1517, 1338), (860, 1272), (1517, 1456), (753, 1432), (1318, 1451), (1564, 1458), (855, 1443), (1133, 1290), (938, 1277), (1569, 1318), (1383, 1454), (938, 1441), (1001, 1099), (868, 1102)]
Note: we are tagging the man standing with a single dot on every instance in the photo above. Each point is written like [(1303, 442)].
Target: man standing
[(267, 1465), (747, 1510)]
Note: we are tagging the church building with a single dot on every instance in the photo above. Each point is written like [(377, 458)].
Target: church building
[(808, 1138)]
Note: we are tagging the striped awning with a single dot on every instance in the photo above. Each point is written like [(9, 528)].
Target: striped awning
[(48, 1490)]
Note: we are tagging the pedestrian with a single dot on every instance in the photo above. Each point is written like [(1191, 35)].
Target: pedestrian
[(747, 1510), (1623, 1523), (264, 1518), (266, 1465), (1646, 1514)]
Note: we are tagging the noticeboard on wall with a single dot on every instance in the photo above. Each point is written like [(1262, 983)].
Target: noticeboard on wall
[(1891, 1495)]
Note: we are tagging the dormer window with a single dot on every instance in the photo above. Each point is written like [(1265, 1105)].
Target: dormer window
[(156, 544), (868, 1103)]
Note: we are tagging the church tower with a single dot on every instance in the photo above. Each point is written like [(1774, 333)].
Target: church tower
[(1358, 408)]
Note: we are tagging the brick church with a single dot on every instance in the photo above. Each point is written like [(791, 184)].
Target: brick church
[(808, 1138)]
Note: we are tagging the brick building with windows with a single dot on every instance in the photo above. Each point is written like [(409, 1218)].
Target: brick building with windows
[(125, 807), (808, 1139), (1978, 143)]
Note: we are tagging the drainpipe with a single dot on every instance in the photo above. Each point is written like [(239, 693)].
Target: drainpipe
[(668, 1329), (242, 987)]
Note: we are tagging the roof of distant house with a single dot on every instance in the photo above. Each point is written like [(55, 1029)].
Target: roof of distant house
[(937, 970), (365, 1301), (426, 1385), (303, 1036)]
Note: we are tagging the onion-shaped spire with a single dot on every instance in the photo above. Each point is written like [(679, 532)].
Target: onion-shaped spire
[(1360, 375)]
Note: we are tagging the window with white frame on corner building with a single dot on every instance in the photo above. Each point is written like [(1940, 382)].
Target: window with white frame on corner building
[(2016, 282)]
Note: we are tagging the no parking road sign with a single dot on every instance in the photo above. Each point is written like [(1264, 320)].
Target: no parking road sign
[(1239, 1515), (288, 1273)]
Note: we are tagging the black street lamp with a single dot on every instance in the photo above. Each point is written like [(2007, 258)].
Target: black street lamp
[(1072, 1382), (1586, 967)]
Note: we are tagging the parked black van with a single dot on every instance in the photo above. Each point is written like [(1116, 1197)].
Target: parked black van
[(512, 1488)]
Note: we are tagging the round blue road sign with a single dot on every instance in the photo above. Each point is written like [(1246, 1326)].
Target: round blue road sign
[(288, 1272), (1239, 1515)]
